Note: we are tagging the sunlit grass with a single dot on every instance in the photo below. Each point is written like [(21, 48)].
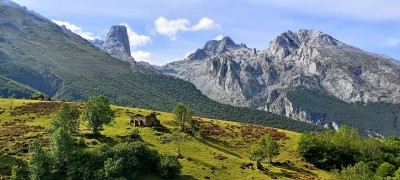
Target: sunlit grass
[(202, 155)]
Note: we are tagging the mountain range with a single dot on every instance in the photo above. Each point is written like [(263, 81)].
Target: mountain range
[(37, 55), (308, 76)]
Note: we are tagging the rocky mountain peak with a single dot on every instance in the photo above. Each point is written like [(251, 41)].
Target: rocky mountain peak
[(117, 37), (117, 43), (287, 42), (215, 46), (9, 3)]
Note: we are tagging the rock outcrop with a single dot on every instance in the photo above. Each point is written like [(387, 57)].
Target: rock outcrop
[(116, 43)]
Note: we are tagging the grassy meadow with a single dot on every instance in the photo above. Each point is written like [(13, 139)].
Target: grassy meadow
[(218, 151)]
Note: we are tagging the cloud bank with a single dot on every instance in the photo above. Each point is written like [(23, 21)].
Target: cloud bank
[(135, 39), (171, 28), (77, 30)]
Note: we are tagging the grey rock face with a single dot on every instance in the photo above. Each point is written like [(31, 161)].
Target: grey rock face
[(237, 75), (117, 43)]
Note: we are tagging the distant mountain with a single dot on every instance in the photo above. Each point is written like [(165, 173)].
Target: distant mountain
[(296, 72), (116, 44), (38, 55)]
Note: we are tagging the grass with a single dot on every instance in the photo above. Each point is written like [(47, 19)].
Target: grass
[(219, 154)]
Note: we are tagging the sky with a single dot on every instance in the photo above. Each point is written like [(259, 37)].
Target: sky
[(162, 31)]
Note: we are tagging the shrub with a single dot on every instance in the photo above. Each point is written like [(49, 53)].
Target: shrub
[(385, 170), (169, 166), (37, 96), (359, 171), (16, 173)]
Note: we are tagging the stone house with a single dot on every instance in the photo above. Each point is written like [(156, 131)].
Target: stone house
[(140, 120)]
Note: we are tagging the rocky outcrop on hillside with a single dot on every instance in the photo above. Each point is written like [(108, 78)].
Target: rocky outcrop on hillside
[(237, 75), (116, 43)]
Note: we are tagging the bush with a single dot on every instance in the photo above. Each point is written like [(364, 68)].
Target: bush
[(397, 173), (135, 136), (385, 170), (16, 173), (113, 168), (37, 96), (169, 166), (339, 149), (38, 161), (359, 171)]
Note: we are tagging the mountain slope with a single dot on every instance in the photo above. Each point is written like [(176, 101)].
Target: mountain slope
[(237, 75), (219, 153), (37, 53)]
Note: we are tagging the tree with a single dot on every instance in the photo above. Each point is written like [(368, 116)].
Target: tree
[(61, 149), (113, 168), (385, 170), (16, 173), (37, 96), (38, 162), (169, 166), (182, 114), (98, 112), (178, 139), (266, 147), (67, 117), (359, 171)]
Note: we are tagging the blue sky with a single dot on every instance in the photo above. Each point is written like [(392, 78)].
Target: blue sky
[(162, 31)]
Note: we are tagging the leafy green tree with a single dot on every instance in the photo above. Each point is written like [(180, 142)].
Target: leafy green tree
[(38, 161), (98, 112), (182, 114), (16, 173), (266, 147), (113, 168), (385, 170), (61, 149), (37, 96), (67, 117), (360, 171), (169, 166)]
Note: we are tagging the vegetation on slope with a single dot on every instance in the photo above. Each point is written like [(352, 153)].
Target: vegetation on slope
[(10, 88), (378, 117), (219, 150), (352, 154)]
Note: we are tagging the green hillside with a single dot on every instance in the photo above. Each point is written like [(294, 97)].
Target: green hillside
[(10, 88), (221, 153), (378, 117), (41, 55)]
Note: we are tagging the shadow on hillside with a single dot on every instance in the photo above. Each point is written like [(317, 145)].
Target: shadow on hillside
[(202, 163), (100, 137), (155, 176), (287, 166), (211, 142)]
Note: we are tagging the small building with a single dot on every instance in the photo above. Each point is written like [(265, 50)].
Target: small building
[(140, 120)]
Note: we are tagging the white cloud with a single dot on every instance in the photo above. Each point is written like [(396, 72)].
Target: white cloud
[(393, 42), (135, 39), (171, 28), (205, 23), (142, 56), (219, 37), (77, 30)]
